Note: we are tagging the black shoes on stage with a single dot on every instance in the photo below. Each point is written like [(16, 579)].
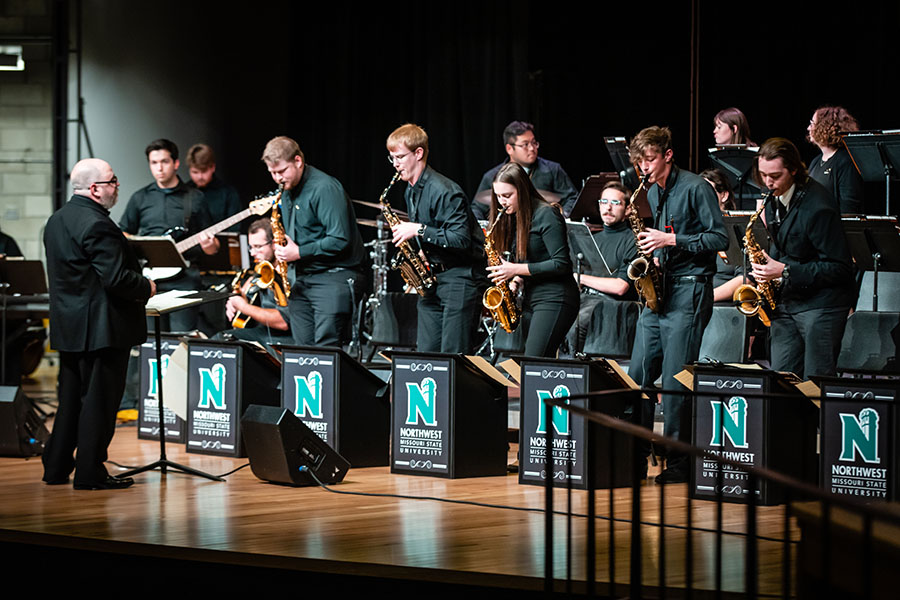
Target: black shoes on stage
[(110, 483)]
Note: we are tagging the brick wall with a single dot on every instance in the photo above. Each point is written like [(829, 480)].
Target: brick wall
[(26, 128)]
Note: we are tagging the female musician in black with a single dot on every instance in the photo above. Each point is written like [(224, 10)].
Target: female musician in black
[(534, 232)]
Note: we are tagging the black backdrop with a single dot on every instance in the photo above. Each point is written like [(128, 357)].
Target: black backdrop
[(346, 74)]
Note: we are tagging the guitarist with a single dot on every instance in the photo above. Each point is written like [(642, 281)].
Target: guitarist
[(168, 205), (266, 323)]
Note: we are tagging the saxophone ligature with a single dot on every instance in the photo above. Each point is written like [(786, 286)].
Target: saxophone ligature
[(756, 300), (499, 298), (278, 237), (414, 270), (643, 270)]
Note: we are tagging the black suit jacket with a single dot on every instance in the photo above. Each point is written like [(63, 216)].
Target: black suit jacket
[(97, 292), (811, 240)]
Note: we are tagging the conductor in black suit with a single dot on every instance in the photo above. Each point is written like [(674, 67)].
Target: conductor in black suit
[(97, 298), (808, 262)]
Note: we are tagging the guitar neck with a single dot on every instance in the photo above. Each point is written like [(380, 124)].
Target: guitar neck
[(189, 242)]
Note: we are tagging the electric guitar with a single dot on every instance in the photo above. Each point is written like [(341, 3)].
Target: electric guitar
[(257, 207)]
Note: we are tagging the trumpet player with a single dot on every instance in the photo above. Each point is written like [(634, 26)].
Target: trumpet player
[(809, 259), (534, 232), (323, 246), (266, 323), (442, 224), (687, 232)]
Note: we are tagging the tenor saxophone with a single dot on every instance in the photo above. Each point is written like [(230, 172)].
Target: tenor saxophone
[(415, 271), (499, 298), (759, 299), (643, 270), (279, 238)]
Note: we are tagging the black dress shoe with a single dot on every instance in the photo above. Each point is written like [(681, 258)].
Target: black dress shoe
[(61, 481), (672, 476), (110, 483)]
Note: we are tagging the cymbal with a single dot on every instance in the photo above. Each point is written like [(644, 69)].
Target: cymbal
[(368, 222), (400, 213)]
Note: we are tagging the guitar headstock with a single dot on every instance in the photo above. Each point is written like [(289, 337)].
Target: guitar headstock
[(261, 206)]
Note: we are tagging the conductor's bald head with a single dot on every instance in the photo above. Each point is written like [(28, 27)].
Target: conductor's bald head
[(94, 178)]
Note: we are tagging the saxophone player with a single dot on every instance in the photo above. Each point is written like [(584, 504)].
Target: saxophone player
[(268, 324), (534, 232), (686, 233), (809, 259), (324, 249), (441, 221)]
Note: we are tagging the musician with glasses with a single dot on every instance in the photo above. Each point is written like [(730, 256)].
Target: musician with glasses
[(442, 224), (546, 175), (97, 298), (323, 247), (263, 320), (601, 296), (686, 233)]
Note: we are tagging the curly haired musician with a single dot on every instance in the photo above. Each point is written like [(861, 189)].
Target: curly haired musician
[(442, 222), (687, 232), (324, 247)]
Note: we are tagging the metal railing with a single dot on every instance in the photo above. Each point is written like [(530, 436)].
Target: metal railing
[(820, 542)]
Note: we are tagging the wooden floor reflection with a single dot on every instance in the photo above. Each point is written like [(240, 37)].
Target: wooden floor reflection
[(245, 519)]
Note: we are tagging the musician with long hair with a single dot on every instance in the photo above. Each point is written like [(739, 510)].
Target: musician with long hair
[(730, 126), (833, 167), (534, 233)]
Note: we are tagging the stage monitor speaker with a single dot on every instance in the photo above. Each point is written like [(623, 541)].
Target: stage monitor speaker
[(22, 433), (279, 444)]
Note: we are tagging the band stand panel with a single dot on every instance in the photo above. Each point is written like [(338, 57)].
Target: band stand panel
[(339, 399), (448, 418), (592, 456), (224, 378), (148, 408), (859, 427), (777, 434)]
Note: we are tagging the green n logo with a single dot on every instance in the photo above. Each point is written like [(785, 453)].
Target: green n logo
[(420, 402), (734, 426), (560, 416), (860, 435), (152, 362), (309, 395), (212, 387)]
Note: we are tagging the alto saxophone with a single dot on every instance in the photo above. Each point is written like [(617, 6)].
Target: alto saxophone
[(752, 300), (415, 271), (499, 298), (279, 238), (643, 270)]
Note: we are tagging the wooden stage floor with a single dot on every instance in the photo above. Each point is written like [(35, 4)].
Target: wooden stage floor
[(246, 522)]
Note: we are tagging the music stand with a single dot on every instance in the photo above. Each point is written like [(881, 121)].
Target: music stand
[(24, 279), (874, 246), (736, 161), (584, 252), (586, 203), (161, 252), (621, 159), (876, 155)]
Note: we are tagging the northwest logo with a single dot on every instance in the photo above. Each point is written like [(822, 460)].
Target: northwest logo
[(860, 435), (153, 374), (729, 421), (309, 395), (560, 416), (420, 401), (212, 387)]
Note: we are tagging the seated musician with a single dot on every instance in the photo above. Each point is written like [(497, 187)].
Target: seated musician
[(728, 277), (604, 323), (261, 321), (534, 232)]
